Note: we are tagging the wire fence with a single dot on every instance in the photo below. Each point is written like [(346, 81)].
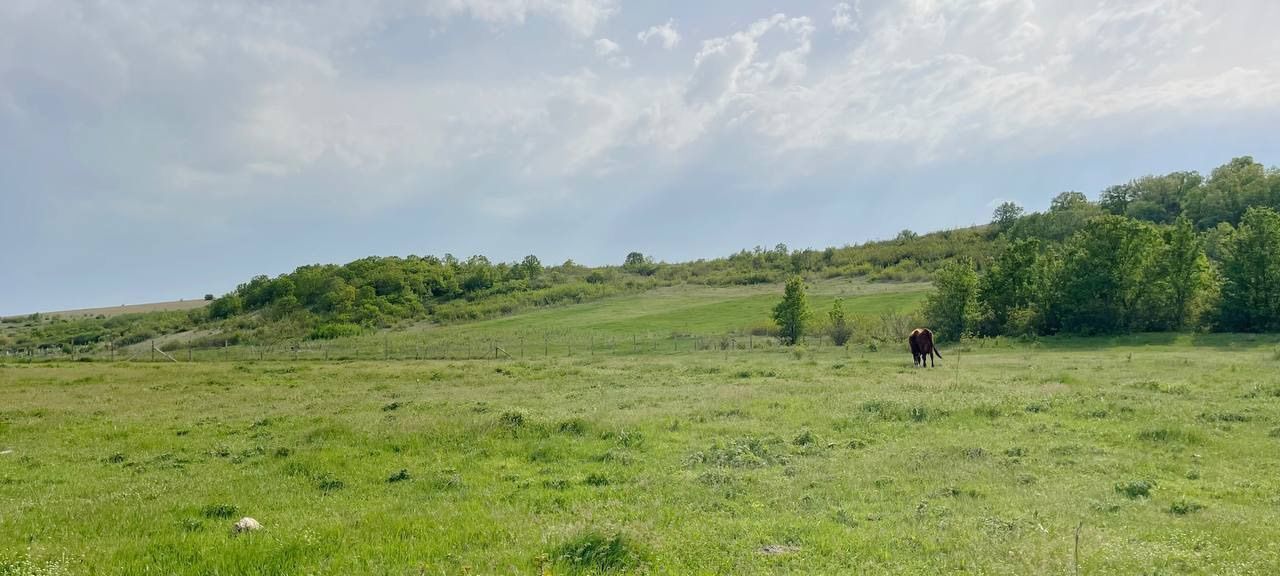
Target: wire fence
[(401, 347)]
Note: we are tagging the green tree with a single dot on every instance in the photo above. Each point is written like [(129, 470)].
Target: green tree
[(1005, 215), (792, 313), (1068, 201), (1183, 272), (1116, 199), (1230, 190), (531, 267), (839, 329), (1012, 289), (225, 307), (952, 308), (1106, 278), (1251, 274)]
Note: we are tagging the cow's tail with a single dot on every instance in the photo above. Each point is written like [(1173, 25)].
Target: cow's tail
[(937, 351)]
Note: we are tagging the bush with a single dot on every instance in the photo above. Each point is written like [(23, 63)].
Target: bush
[(594, 552), (839, 329)]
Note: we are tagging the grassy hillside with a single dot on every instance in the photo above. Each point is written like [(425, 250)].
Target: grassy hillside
[(1161, 450)]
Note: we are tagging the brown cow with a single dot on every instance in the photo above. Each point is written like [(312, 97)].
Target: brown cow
[(921, 341)]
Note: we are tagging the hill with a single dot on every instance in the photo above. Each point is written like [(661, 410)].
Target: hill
[(1159, 253)]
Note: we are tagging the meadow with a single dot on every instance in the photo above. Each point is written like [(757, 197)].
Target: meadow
[(1158, 454)]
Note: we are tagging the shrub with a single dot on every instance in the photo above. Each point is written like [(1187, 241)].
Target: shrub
[(594, 552), (1135, 489)]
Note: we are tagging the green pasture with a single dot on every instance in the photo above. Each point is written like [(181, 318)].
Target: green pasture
[(1161, 453)]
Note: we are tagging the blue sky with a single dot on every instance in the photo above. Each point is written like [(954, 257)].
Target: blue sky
[(154, 150)]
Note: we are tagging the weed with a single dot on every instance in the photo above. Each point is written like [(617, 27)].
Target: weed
[(1135, 489)]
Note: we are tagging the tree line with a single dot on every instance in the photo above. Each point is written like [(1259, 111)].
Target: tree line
[(1160, 253)]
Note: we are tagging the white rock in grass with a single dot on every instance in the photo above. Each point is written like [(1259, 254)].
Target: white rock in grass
[(246, 524)]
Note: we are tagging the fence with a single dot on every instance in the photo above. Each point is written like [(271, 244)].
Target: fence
[(409, 346)]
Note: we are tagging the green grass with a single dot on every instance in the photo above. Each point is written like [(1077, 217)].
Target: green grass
[(831, 461)]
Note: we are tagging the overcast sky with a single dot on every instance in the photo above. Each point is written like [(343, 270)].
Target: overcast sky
[(162, 149)]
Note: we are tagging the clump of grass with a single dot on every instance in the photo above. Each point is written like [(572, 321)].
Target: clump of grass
[(597, 479), (392, 407), (1135, 489), (1223, 417), (1169, 435), (805, 438), (329, 483), (625, 438), (513, 419), (219, 511), (400, 476), (574, 426), (990, 411), (594, 552), (556, 484), (1182, 507), (747, 452)]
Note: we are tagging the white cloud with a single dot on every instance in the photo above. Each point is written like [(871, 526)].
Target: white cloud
[(844, 18), (666, 33), (611, 52), (606, 47), (219, 97), (580, 16)]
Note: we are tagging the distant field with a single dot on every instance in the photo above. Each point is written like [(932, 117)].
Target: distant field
[(126, 309), (1163, 451)]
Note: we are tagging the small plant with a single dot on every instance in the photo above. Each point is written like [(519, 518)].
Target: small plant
[(219, 511), (400, 476), (512, 420), (391, 407), (805, 438), (595, 479), (594, 552), (328, 483), (574, 426), (839, 330), (1135, 489), (1182, 507)]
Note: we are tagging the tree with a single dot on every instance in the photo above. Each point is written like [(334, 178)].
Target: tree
[(1068, 201), (1183, 272), (1012, 289), (1231, 189), (1251, 274), (952, 308), (1006, 215), (638, 263), (906, 235), (840, 330), (792, 313), (1106, 281), (1116, 199), (208, 297), (531, 266), (225, 307)]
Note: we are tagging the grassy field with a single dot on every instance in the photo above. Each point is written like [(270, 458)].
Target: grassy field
[(1164, 451), (124, 309)]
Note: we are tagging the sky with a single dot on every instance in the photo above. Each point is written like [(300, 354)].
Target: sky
[(162, 149)]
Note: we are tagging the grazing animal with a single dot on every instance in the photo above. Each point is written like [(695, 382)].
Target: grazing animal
[(922, 348)]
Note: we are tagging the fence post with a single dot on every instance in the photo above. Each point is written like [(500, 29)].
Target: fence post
[(153, 350)]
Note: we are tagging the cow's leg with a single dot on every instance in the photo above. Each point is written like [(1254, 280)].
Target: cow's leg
[(931, 364)]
